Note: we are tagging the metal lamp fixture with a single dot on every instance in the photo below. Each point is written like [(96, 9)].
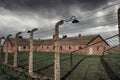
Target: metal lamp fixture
[(18, 34), (9, 35), (73, 19), (32, 30), (2, 37)]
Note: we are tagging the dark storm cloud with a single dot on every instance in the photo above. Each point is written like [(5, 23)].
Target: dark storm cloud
[(53, 4), (92, 4), (7, 30), (52, 8), (41, 13)]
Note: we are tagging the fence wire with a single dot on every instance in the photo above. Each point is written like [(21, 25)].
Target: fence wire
[(101, 63)]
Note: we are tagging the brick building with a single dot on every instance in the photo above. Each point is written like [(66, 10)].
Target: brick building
[(88, 45)]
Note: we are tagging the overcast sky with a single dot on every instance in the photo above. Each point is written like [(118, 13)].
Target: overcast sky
[(95, 16)]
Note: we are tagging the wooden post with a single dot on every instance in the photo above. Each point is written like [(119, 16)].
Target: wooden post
[(16, 50), (31, 52), (57, 52), (6, 53)]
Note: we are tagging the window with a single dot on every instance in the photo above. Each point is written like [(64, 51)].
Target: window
[(61, 47), (24, 47), (47, 47), (80, 48), (53, 47), (69, 47), (98, 48), (42, 47)]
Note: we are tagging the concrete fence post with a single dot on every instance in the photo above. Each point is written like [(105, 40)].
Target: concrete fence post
[(1, 47), (57, 52), (31, 52), (16, 49), (7, 46)]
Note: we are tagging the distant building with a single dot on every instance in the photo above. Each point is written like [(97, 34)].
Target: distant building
[(87, 45)]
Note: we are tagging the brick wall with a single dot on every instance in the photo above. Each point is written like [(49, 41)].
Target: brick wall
[(96, 49), (99, 47)]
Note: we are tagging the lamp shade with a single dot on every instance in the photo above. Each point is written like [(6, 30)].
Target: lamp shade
[(75, 21), (28, 31)]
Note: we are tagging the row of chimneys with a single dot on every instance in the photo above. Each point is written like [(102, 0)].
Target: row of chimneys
[(65, 36)]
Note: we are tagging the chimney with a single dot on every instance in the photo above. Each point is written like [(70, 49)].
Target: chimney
[(64, 36), (79, 35), (53, 36)]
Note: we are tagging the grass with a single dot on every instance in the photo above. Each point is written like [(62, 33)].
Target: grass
[(89, 69), (113, 60), (82, 67), (7, 73)]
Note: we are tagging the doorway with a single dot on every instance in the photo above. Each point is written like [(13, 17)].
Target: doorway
[(90, 50)]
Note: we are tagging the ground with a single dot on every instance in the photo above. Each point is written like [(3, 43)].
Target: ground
[(77, 67)]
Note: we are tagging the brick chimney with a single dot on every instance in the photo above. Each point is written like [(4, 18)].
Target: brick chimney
[(53, 36), (79, 35), (64, 36)]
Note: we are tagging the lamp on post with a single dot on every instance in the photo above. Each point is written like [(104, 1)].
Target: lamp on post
[(31, 51), (57, 47), (16, 49), (1, 46), (6, 54)]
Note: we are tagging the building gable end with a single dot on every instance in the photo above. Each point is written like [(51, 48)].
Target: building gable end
[(98, 41)]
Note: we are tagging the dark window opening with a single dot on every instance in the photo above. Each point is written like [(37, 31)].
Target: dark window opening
[(69, 47), (98, 48), (61, 47), (47, 47), (24, 47), (80, 48), (53, 47)]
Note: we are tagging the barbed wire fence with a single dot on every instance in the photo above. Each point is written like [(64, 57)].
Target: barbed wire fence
[(71, 62)]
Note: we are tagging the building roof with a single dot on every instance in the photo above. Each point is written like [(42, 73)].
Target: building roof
[(23, 41), (82, 40)]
